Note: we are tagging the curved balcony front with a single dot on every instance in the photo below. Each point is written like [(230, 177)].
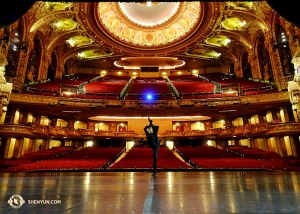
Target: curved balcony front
[(226, 132), (73, 133), (284, 129), (212, 132), (259, 129), (15, 131), (192, 133), (105, 133), (39, 130), (87, 133), (238, 131)]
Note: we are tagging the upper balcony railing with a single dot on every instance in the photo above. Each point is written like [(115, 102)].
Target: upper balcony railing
[(249, 130)]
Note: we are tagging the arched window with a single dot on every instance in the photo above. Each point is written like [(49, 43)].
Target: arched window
[(254, 119), (52, 68), (17, 117), (61, 123), (246, 67), (282, 45), (264, 60), (238, 122), (44, 120), (269, 117), (80, 125), (30, 118), (198, 126), (282, 115), (101, 127), (177, 127), (34, 61), (219, 124), (122, 127)]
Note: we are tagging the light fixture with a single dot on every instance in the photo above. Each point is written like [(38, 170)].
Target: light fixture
[(149, 3)]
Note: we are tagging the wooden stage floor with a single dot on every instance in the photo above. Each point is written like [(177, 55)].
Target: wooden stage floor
[(140, 193)]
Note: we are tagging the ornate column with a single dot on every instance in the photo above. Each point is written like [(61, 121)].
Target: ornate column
[(5, 88), (294, 87)]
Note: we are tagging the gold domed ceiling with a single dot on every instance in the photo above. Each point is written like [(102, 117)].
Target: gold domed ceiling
[(92, 36), (160, 29), (144, 25)]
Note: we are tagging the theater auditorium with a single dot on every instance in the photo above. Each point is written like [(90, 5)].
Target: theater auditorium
[(79, 81)]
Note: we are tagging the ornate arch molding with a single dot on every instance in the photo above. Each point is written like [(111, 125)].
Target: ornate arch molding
[(49, 18)]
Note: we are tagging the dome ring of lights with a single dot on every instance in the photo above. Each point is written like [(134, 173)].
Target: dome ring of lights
[(166, 24)]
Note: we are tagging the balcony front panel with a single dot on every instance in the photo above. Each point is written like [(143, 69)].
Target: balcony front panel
[(173, 134), (259, 129), (238, 131), (40, 130), (125, 134), (212, 132), (284, 129), (73, 133), (52, 131), (193, 133), (87, 133), (247, 130), (15, 131), (226, 133), (107, 133), (61, 132)]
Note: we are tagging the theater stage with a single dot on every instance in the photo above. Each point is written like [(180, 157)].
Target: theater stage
[(138, 192)]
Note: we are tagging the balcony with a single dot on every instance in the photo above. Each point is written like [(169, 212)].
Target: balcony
[(87, 133), (73, 133), (212, 132), (39, 130), (15, 131), (284, 129)]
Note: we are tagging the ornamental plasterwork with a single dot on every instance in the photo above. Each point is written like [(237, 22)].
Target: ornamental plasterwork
[(64, 25), (78, 41), (218, 40), (58, 5), (241, 5), (234, 23), (97, 53), (157, 34), (203, 53)]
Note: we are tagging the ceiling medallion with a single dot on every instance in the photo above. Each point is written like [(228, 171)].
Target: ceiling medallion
[(163, 23)]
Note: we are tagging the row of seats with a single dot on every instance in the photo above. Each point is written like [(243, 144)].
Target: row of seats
[(186, 84)]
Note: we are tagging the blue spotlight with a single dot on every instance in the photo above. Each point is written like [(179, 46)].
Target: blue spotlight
[(149, 97)]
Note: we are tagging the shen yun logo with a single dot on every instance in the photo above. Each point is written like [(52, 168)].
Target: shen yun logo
[(16, 201)]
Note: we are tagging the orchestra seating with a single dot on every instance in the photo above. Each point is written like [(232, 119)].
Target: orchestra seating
[(29, 157), (142, 158), (208, 157), (90, 158)]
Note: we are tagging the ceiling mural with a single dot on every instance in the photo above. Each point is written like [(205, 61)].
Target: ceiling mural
[(65, 25), (241, 5), (204, 53), (98, 53), (218, 40), (233, 23), (58, 6), (78, 41)]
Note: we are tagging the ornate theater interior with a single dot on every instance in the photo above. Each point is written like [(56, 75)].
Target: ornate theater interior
[(78, 81)]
